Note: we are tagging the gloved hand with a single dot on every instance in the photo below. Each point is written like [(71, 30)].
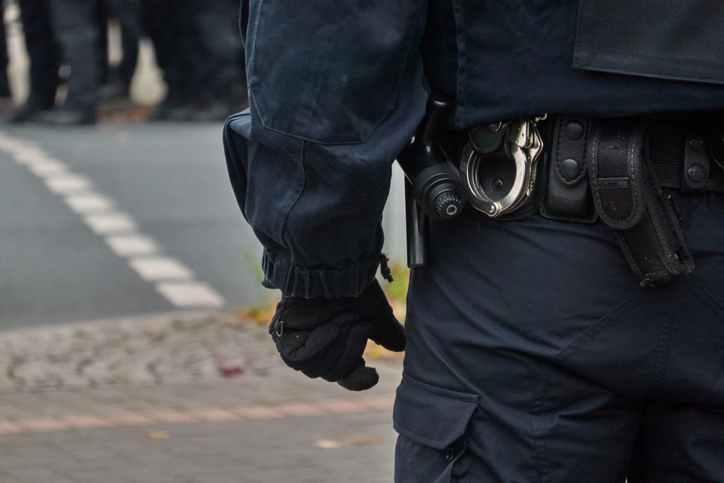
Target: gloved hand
[(327, 337)]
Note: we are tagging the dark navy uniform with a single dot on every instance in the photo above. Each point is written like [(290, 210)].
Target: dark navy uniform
[(534, 353), (198, 48), (79, 32), (4, 62), (44, 53)]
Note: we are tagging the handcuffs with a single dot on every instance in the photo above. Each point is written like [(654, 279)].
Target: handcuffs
[(496, 174), (521, 144)]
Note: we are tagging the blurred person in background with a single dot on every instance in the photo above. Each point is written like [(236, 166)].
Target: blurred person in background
[(44, 53), (218, 58), (199, 51), (5, 94), (170, 32), (79, 34), (115, 80)]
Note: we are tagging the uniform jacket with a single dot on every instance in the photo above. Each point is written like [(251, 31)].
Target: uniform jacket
[(337, 89)]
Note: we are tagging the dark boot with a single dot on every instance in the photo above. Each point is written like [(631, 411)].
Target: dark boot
[(69, 116), (31, 110)]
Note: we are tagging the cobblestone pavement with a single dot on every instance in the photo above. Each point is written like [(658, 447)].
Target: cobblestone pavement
[(184, 397)]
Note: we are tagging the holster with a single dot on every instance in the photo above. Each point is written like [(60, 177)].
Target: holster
[(629, 199)]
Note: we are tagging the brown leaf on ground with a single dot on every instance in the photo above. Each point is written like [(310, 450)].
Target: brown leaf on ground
[(260, 313), (328, 444), (123, 111), (374, 351), (157, 435), (360, 441)]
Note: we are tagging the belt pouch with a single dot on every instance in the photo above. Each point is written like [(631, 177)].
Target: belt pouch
[(568, 195), (630, 200)]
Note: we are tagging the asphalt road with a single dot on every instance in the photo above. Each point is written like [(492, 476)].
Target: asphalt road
[(178, 240)]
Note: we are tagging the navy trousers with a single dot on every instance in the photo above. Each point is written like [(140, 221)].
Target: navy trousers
[(43, 50), (534, 355)]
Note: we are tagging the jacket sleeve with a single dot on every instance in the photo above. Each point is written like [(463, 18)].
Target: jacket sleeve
[(336, 90)]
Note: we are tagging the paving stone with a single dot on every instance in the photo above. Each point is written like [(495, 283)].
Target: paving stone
[(181, 422), (38, 475)]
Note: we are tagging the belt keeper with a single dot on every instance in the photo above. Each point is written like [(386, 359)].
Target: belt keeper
[(630, 200)]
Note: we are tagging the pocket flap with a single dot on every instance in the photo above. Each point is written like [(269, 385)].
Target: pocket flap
[(430, 415)]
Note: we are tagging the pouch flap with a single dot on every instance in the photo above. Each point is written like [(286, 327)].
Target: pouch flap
[(568, 196), (617, 171), (430, 415)]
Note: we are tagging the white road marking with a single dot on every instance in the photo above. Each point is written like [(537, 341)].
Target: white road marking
[(68, 183), (190, 294), (176, 279), (129, 245), (47, 168), (110, 223), (160, 268), (88, 203), (33, 156)]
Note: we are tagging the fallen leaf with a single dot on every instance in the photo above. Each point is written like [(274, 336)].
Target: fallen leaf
[(328, 444), (229, 370), (374, 351), (360, 441), (157, 434)]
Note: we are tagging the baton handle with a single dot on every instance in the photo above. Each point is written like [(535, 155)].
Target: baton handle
[(418, 237)]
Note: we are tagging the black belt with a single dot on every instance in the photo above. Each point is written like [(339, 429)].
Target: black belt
[(571, 168), (682, 157), (614, 170)]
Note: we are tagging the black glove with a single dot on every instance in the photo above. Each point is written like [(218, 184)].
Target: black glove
[(327, 337)]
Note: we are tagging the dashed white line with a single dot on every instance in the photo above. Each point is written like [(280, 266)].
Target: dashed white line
[(110, 223), (129, 245), (88, 203), (47, 168), (32, 155), (160, 268), (68, 183), (190, 294), (174, 280)]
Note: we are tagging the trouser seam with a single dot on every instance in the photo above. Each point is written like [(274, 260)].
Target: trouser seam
[(662, 356), (541, 452)]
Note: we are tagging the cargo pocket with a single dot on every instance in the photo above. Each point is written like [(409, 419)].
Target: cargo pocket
[(431, 422), (329, 72)]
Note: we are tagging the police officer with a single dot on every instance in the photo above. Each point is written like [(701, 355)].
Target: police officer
[(4, 62), (79, 33), (217, 55), (164, 23), (44, 55), (115, 80), (567, 324), (198, 48)]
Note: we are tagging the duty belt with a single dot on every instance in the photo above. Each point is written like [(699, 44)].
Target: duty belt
[(682, 153), (613, 169), (572, 168)]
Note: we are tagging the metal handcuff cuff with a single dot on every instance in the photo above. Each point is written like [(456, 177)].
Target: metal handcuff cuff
[(523, 143), (437, 189)]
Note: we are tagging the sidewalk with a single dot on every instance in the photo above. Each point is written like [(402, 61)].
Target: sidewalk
[(187, 398)]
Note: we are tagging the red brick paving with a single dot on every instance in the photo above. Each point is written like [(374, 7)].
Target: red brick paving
[(207, 415)]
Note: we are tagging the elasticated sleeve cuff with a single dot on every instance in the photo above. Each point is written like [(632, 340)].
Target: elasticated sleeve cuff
[(310, 283)]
